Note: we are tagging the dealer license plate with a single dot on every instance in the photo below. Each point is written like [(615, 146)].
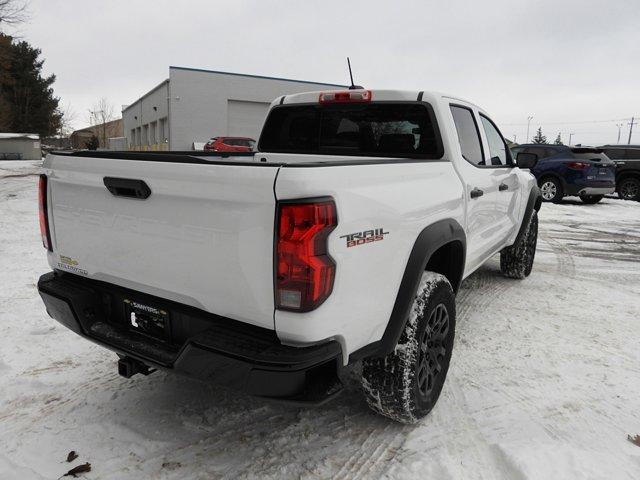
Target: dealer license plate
[(147, 319)]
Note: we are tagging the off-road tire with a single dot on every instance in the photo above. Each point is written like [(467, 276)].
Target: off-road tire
[(516, 261), (629, 189), (591, 199), (405, 384), (551, 189)]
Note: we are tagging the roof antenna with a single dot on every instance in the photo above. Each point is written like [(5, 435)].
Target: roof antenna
[(352, 87)]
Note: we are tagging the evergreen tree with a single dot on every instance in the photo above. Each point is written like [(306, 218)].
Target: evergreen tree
[(26, 96), (558, 140), (539, 138)]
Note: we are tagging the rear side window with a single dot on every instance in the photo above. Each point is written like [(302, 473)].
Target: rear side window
[(623, 153), (372, 129), (541, 152), (497, 146), (468, 135), (594, 154), (239, 142), (615, 153)]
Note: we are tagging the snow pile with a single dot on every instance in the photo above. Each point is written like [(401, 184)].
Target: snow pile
[(543, 383)]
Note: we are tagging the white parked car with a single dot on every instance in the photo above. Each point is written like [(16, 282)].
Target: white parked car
[(344, 238)]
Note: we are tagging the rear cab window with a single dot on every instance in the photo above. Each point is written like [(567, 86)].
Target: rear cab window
[(468, 134), (384, 129), (470, 140)]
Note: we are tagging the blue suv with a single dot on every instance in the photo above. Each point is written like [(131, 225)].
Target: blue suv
[(569, 171)]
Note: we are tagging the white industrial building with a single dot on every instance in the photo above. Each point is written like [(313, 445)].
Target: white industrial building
[(193, 105)]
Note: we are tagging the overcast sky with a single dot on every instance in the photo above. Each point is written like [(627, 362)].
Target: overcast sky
[(560, 61)]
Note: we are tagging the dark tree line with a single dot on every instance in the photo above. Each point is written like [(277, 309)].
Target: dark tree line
[(27, 102)]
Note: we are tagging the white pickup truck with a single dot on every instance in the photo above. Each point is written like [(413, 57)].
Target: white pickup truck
[(344, 239)]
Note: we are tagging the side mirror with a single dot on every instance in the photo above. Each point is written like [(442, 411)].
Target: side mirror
[(526, 160)]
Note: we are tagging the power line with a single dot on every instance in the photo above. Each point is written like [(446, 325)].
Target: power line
[(572, 123)]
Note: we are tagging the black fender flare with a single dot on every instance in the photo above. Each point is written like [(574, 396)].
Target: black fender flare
[(534, 202), (429, 240)]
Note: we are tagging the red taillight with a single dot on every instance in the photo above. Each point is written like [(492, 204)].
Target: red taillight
[(42, 213), (350, 96), (578, 165), (304, 269)]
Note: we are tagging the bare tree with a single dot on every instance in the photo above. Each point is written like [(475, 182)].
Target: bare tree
[(13, 12), (100, 115), (67, 117)]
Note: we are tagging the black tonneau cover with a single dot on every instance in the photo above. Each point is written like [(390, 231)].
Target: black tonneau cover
[(189, 156), (220, 158)]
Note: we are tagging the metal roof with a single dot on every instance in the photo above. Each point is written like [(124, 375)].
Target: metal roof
[(28, 136), (226, 73), (133, 104), (255, 76)]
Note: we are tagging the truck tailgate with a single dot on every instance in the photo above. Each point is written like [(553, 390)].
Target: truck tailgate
[(204, 237)]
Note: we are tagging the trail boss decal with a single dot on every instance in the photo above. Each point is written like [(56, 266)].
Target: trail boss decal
[(367, 236)]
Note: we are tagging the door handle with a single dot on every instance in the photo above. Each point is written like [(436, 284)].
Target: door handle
[(476, 192), (503, 187), (127, 187)]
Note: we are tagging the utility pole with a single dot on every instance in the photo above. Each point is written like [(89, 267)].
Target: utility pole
[(515, 138), (570, 135), (631, 129), (619, 125), (528, 124)]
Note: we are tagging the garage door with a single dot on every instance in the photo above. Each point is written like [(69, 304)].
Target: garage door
[(244, 119)]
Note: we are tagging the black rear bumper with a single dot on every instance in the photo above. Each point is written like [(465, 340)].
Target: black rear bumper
[(200, 345)]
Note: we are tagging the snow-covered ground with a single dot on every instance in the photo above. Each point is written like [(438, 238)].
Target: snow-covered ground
[(544, 381)]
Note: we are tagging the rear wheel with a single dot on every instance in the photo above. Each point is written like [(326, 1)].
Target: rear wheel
[(591, 199), (551, 190), (405, 384), (516, 261), (629, 189)]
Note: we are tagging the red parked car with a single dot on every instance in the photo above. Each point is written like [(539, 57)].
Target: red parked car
[(230, 144)]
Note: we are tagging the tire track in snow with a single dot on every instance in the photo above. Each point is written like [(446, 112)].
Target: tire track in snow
[(564, 257), (479, 291), (380, 447), (457, 427)]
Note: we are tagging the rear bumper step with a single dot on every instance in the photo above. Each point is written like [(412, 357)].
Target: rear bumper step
[(200, 345)]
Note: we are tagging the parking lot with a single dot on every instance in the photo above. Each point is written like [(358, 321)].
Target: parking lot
[(544, 379)]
